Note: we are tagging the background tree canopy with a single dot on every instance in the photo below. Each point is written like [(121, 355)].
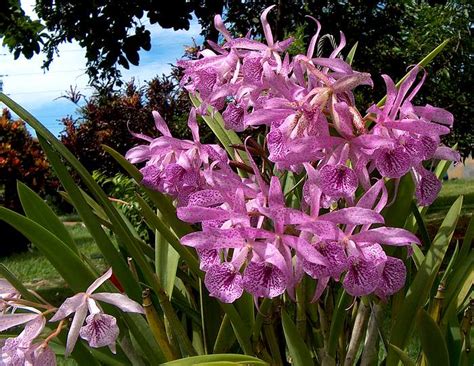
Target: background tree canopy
[(391, 36)]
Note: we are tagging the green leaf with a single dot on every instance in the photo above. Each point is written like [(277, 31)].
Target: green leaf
[(418, 256), (458, 287), (225, 358), (337, 322), (225, 338), (36, 209), (351, 54), (161, 201), (422, 63), (227, 137), (425, 238), (67, 263), (399, 210), (406, 360), (157, 224), (166, 262), (107, 248), (16, 283), (421, 286), (432, 341), (298, 350), (466, 246)]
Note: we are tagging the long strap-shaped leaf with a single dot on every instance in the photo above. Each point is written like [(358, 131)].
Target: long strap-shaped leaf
[(67, 263), (216, 124), (432, 341), (36, 209), (423, 281), (103, 241), (119, 226), (168, 211), (425, 61), (220, 359), (299, 352)]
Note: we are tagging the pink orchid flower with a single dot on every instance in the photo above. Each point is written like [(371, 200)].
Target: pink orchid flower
[(101, 329)]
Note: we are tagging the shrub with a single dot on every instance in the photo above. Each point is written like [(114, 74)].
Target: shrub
[(21, 158)]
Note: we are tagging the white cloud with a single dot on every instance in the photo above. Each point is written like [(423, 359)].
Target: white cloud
[(26, 83)]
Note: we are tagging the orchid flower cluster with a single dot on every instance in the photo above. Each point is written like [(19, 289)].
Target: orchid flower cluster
[(253, 237), (31, 346)]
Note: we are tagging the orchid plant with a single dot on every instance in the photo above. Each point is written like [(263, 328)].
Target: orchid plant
[(297, 245)]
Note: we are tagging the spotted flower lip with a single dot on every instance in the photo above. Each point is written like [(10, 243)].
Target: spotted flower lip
[(84, 302), (311, 199)]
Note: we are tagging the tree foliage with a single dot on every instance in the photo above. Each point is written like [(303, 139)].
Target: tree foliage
[(111, 31), (21, 159), (109, 116), (391, 35)]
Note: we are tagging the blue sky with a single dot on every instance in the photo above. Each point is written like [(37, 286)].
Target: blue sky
[(38, 91)]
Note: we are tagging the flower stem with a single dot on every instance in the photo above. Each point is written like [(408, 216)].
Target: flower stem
[(370, 352), (337, 322), (157, 327), (55, 333), (301, 320), (358, 331), (270, 337)]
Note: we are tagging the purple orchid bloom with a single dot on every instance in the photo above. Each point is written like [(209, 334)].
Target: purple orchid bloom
[(250, 240), (101, 329), (15, 350)]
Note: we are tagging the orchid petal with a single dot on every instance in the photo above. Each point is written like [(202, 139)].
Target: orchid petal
[(100, 330), (219, 25), (275, 194), (305, 250), (446, 153), (392, 163), (69, 306), (427, 188), (323, 229), (205, 198), (266, 27), (349, 82), (224, 282), (160, 124), (392, 279), (314, 39), (362, 278), (336, 260), (138, 154), (369, 198), (354, 215), (419, 126), (403, 90), (264, 280), (335, 64), (193, 125), (337, 180), (98, 282), (196, 214), (435, 114), (387, 235), (12, 320), (123, 302), (75, 328), (208, 258), (214, 239), (320, 287), (32, 330)]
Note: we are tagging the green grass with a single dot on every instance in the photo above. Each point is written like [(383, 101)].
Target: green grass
[(35, 270), (38, 274), (450, 191)]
